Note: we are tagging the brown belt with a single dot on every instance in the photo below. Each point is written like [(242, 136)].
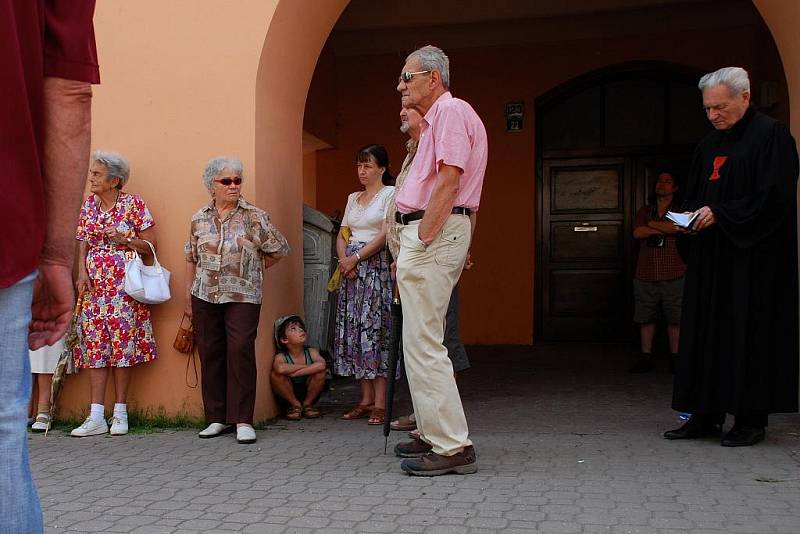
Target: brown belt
[(405, 218)]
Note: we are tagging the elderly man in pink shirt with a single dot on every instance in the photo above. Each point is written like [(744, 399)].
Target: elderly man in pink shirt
[(435, 216)]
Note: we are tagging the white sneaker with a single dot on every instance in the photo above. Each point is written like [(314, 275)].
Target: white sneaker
[(90, 427), (41, 423), (215, 429), (119, 425), (246, 434)]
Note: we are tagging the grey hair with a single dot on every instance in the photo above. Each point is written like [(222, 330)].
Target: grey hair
[(219, 164), (115, 164), (433, 58), (734, 78)]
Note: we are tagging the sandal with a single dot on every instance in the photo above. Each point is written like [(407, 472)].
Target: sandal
[(359, 412), (404, 423), (295, 413), (377, 416), (310, 412)]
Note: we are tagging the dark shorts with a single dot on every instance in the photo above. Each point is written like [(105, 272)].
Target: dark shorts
[(649, 296)]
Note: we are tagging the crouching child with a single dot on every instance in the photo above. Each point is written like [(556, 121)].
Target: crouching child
[(298, 371)]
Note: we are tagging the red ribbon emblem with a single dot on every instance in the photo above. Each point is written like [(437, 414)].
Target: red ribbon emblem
[(719, 161)]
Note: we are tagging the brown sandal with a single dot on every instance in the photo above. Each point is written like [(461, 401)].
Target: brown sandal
[(359, 412), (295, 413), (309, 412), (377, 416)]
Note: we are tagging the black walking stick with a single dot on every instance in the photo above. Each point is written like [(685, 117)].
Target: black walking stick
[(394, 357)]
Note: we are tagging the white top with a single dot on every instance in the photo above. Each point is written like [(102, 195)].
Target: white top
[(365, 222)]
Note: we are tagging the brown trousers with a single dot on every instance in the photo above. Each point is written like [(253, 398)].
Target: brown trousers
[(226, 340)]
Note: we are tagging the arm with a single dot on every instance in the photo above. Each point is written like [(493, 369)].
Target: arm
[(441, 203), (348, 263), (318, 366), (84, 282), (664, 227), (283, 368), (191, 269), (67, 127)]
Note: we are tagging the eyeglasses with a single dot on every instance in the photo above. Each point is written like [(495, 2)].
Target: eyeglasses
[(407, 76), (228, 181)]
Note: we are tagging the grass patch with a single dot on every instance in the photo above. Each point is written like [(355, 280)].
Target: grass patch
[(142, 422)]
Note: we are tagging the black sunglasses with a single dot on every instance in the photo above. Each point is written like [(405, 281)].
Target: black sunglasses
[(407, 76), (228, 181)]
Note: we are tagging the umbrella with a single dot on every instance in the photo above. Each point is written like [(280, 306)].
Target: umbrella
[(394, 357), (65, 359)]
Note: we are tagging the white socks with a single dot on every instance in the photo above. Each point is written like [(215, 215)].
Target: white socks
[(121, 410), (97, 412)]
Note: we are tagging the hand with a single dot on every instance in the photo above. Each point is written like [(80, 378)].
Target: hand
[(393, 270), (115, 236), (468, 263), (84, 283), (351, 275), (348, 263), (51, 310), (705, 218), (187, 306)]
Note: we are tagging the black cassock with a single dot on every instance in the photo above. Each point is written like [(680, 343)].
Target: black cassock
[(739, 326)]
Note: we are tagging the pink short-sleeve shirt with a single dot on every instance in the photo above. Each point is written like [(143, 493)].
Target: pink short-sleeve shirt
[(451, 134)]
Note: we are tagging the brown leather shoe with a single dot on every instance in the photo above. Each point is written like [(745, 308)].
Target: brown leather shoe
[(412, 449), (432, 464)]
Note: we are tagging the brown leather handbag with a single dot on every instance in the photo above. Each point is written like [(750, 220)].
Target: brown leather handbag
[(184, 340)]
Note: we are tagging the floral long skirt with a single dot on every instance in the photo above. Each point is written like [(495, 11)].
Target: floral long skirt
[(364, 319)]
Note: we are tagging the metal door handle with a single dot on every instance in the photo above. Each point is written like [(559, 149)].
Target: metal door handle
[(584, 229)]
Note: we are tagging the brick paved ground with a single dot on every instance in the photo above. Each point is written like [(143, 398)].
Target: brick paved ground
[(567, 442)]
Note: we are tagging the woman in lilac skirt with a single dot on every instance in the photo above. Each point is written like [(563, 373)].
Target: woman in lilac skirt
[(363, 311)]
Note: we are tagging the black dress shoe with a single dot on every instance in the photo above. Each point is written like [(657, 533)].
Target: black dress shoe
[(743, 436), (693, 430)]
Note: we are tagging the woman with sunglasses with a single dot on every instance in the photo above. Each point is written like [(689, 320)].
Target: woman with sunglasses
[(230, 244)]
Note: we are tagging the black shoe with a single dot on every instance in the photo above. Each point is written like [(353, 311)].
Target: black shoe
[(693, 430), (743, 436), (643, 365)]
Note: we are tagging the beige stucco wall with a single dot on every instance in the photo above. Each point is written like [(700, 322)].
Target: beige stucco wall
[(181, 83)]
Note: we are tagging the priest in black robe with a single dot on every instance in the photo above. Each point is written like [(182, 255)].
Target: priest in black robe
[(739, 328)]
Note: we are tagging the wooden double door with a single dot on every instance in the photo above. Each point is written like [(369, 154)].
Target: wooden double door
[(587, 252)]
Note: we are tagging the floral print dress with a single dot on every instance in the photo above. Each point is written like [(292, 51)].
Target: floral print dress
[(114, 329)]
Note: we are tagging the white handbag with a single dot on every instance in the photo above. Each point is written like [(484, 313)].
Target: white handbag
[(147, 283)]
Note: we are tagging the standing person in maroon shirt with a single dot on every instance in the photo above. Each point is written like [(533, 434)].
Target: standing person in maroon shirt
[(658, 282), (48, 60)]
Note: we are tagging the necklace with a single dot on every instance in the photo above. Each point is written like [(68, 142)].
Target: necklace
[(109, 210)]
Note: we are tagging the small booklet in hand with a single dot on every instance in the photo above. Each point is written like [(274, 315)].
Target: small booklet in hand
[(683, 220)]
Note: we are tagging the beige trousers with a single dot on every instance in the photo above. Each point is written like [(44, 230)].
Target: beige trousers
[(426, 277)]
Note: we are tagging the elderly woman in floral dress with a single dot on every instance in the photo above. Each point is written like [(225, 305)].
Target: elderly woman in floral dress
[(115, 330), (231, 242)]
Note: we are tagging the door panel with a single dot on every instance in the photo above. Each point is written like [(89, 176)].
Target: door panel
[(584, 263)]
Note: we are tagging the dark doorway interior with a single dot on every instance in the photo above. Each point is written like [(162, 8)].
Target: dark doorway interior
[(602, 140)]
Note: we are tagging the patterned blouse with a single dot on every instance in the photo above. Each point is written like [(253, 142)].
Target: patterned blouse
[(229, 253)]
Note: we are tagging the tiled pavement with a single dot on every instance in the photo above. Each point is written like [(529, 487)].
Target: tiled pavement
[(566, 440)]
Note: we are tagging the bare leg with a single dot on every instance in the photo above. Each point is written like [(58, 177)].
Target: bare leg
[(647, 331), (122, 379), (97, 384), (282, 386), (379, 384), (674, 332), (314, 387), (367, 393), (43, 382)]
